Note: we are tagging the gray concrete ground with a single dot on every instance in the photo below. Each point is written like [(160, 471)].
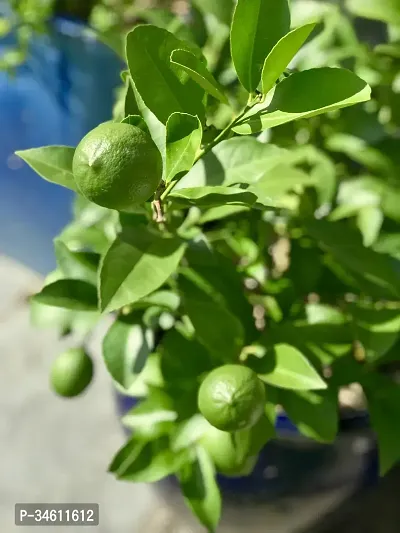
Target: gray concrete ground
[(55, 450)]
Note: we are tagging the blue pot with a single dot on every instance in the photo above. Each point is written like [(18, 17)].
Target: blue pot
[(64, 90), (292, 464)]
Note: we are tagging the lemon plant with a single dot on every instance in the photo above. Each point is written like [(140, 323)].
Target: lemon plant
[(232, 285)]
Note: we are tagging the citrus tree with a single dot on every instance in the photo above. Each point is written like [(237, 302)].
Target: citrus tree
[(232, 284)]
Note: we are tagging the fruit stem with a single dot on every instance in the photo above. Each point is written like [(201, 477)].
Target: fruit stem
[(158, 211)]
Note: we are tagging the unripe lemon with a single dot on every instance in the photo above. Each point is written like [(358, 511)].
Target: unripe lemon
[(224, 453), (71, 373), (232, 397), (117, 166)]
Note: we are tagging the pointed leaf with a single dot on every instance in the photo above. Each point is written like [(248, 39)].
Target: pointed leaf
[(289, 369), (304, 95), (184, 134), (52, 163), (164, 92), (369, 221), (238, 160), (76, 265), (154, 461), (256, 28), (199, 73), (136, 120), (137, 263), (282, 54), (209, 196), (126, 347), (314, 413), (69, 294), (200, 490)]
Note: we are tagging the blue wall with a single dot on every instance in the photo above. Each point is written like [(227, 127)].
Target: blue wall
[(65, 89)]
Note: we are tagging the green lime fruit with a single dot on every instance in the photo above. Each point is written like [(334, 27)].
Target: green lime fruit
[(71, 373), (117, 166), (232, 397), (223, 450)]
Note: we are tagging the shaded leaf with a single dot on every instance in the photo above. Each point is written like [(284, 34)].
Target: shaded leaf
[(53, 163), (137, 263), (222, 9), (304, 95), (184, 133), (213, 195), (384, 409), (277, 181), (136, 120), (126, 347), (256, 28), (69, 294), (199, 73), (76, 265), (200, 489), (154, 462), (314, 413), (219, 330), (347, 248)]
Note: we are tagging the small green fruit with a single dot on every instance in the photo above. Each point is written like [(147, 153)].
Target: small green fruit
[(231, 398), (117, 166), (71, 373)]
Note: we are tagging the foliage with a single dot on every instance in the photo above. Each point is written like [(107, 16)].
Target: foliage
[(273, 240)]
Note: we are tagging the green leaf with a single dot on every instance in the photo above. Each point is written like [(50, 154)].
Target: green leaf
[(377, 328), (69, 294), (200, 489), (282, 54), (369, 222), (213, 195), (314, 413), (153, 417), (221, 211), (163, 91), (238, 160), (277, 181), (126, 347), (165, 299), (256, 28), (184, 133), (223, 282), (136, 120), (304, 95), (289, 369), (222, 9), (384, 409), (193, 360), (126, 455), (156, 128), (199, 73), (76, 265), (346, 247), (189, 432), (137, 263), (52, 163), (154, 462), (384, 10), (219, 330)]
